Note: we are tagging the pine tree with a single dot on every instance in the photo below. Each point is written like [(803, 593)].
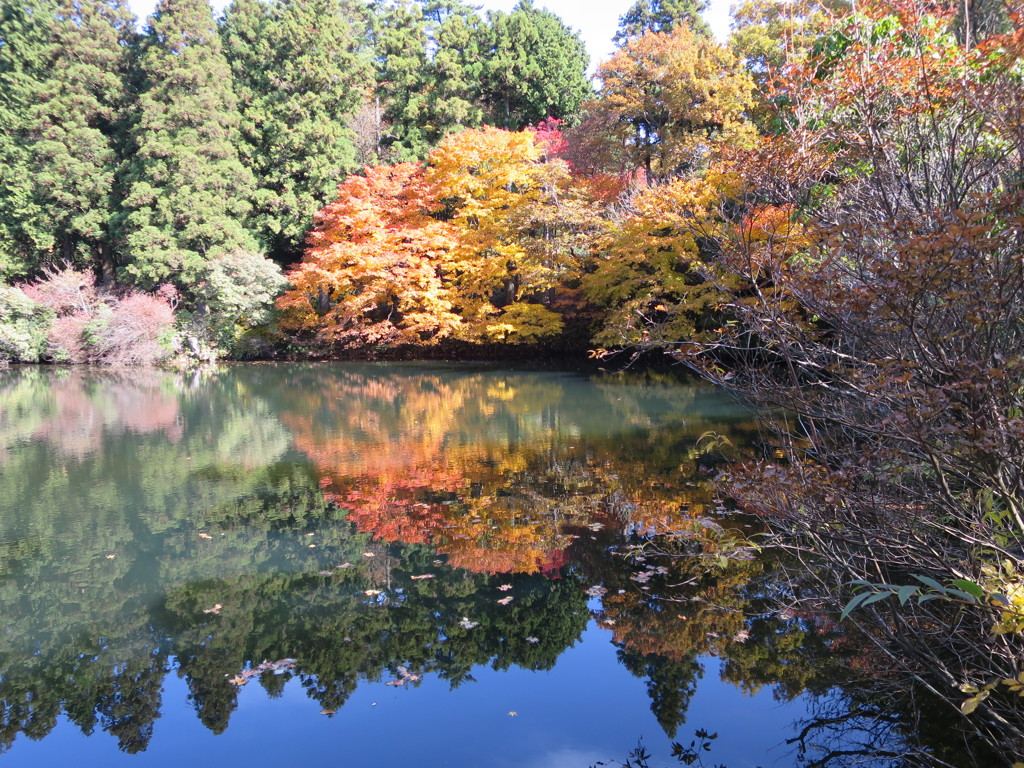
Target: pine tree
[(535, 67), (661, 16), (299, 77), (187, 191)]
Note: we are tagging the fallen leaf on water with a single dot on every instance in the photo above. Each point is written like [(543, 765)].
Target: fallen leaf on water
[(344, 565), (505, 587), (532, 639), (111, 557), (505, 600), (422, 576), (324, 573), (204, 535), (369, 554), (372, 592), (596, 591), (467, 624), (215, 610), (312, 546), (238, 680), (439, 562), (309, 534), (512, 713), (328, 711)]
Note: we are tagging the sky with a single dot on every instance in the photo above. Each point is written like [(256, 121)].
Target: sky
[(595, 20)]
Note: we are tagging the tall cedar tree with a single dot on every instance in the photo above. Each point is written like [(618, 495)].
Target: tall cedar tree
[(299, 78), (402, 79), (535, 68), (75, 125), (661, 16), (188, 192), (456, 68), (25, 48), (429, 70)]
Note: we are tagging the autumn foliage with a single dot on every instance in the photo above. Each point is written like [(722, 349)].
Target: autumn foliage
[(375, 269), (476, 245)]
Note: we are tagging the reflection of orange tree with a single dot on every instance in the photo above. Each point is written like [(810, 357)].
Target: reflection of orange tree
[(500, 471)]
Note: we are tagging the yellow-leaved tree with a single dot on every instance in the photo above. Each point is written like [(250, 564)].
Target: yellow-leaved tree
[(667, 99), (520, 227)]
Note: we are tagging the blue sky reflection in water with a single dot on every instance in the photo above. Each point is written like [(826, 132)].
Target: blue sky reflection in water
[(587, 709), (161, 533)]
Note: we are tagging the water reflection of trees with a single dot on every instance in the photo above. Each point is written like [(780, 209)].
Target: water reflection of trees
[(132, 504), (491, 468)]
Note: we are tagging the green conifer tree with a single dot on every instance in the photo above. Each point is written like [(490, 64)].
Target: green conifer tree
[(187, 192), (456, 68), (25, 49), (75, 122), (402, 80), (299, 76), (661, 16), (535, 67)]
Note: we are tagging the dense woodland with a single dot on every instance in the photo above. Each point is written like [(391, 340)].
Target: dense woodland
[(823, 215)]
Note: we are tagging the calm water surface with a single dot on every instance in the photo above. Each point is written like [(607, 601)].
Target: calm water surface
[(383, 565)]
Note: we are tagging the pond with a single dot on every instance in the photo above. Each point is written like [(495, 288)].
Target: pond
[(392, 565)]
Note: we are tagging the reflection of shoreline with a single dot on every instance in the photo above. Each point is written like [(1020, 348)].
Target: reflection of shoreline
[(73, 409), (492, 467)]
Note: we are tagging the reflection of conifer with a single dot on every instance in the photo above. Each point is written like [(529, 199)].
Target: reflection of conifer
[(670, 684), (127, 711)]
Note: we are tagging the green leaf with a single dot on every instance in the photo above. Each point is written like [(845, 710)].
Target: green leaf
[(852, 605), (928, 581), (906, 592), (970, 587), (876, 598)]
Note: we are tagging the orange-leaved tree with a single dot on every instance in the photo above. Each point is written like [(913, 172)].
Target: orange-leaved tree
[(374, 271)]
